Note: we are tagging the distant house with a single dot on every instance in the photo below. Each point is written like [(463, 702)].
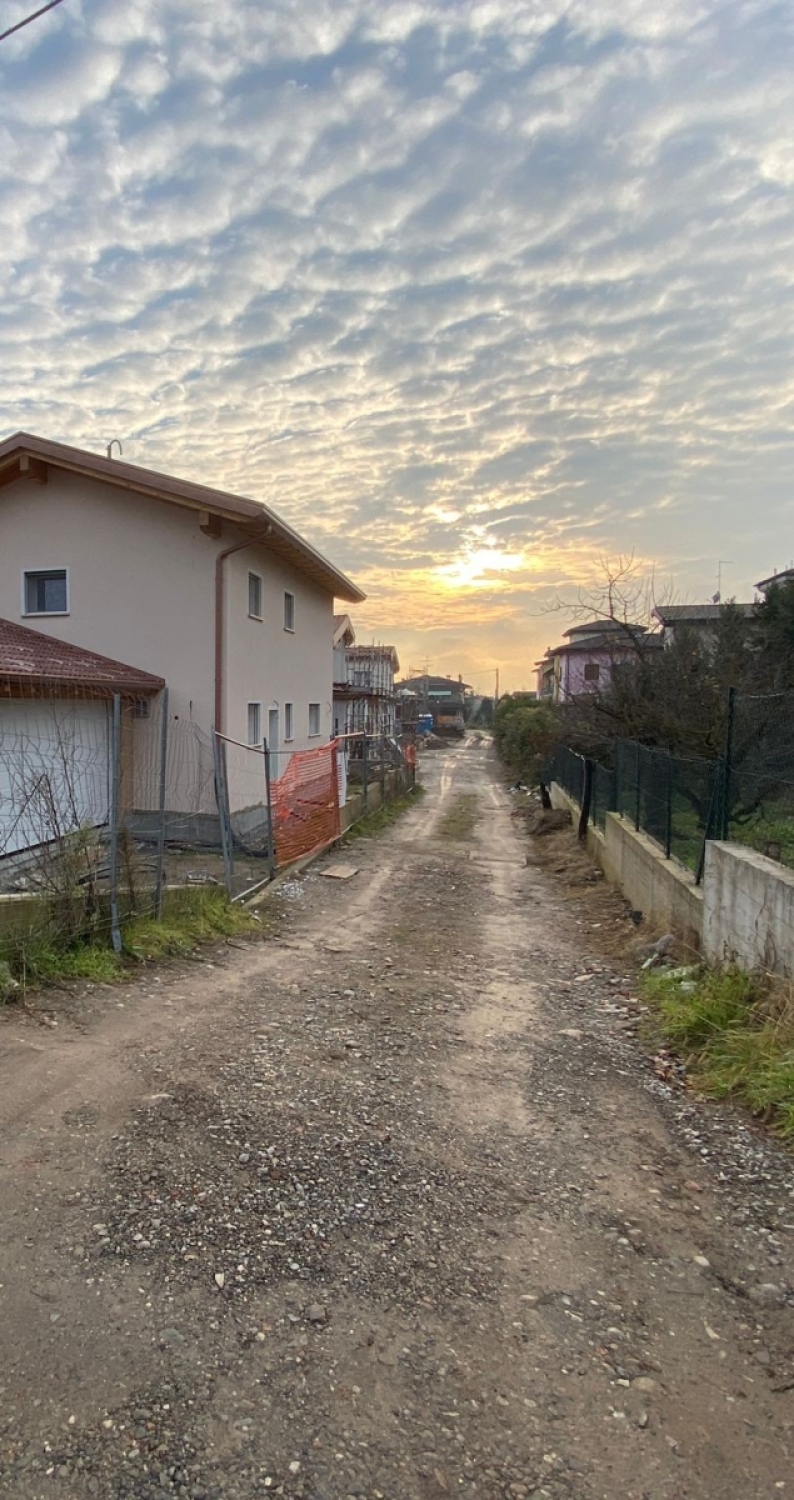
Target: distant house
[(786, 575), (364, 698), (205, 592), (586, 659), (702, 619)]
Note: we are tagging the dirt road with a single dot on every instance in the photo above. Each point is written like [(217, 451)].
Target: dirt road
[(388, 1206)]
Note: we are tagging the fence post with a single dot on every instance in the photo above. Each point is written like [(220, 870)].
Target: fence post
[(115, 790), (158, 879), (271, 842), (725, 820), (365, 773), (587, 794), (221, 799), (638, 794), (668, 809)]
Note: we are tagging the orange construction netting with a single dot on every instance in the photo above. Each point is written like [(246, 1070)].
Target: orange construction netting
[(305, 804)]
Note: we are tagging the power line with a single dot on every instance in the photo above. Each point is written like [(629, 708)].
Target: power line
[(28, 19)]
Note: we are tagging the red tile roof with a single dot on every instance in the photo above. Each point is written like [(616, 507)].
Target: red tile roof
[(28, 657)]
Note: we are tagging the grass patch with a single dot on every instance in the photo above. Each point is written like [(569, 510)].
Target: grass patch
[(736, 1032), (35, 962), (383, 816), (40, 963), (204, 922), (458, 821)]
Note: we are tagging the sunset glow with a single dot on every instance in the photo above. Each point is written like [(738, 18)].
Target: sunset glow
[(472, 295)]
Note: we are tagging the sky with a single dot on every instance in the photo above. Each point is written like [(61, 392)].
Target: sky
[(475, 293)]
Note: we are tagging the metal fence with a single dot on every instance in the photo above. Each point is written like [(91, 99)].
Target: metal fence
[(746, 795), (105, 802)]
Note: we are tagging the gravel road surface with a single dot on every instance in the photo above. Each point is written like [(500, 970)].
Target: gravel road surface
[(388, 1205)]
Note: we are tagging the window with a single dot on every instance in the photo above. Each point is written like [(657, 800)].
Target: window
[(289, 611), (255, 595), (46, 593), (592, 671), (288, 721), (314, 718), (254, 723), (141, 708), (273, 732)]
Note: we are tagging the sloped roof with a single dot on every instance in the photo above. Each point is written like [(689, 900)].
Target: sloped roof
[(784, 576), (27, 656), (24, 449), (343, 625), (695, 614)]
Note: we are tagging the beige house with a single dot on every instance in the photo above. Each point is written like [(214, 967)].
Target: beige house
[(209, 591)]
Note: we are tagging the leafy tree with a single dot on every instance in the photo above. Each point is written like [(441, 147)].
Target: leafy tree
[(525, 733)]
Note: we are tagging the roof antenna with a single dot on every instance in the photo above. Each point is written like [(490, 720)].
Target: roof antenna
[(110, 448)]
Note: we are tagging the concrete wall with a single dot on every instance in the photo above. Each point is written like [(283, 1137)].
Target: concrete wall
[(660, 888), (748, 915)]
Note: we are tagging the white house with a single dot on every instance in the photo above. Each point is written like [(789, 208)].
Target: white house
[(208, 591)]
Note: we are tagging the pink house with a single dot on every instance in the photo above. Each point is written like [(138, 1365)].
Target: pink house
[(585, 661)]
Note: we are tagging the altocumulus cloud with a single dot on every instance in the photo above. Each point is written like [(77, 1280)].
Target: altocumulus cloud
[(469, 291)]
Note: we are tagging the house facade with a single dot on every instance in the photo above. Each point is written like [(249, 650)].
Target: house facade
[(586, 659), (209, 591), (701, 619)]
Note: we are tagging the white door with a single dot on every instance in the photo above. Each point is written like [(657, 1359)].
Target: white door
[(54, 769)]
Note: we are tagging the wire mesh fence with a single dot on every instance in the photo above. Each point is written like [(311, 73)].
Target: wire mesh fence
[(106, 802), (758, 800), (674, 800)]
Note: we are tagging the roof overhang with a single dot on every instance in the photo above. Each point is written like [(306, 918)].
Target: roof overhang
[(27, 457)]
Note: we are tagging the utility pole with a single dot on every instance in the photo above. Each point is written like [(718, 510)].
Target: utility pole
[(496, 695)]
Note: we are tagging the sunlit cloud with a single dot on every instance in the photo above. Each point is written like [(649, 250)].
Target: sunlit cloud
[(472, 294)]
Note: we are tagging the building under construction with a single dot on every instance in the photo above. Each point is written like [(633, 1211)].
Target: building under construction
[(364, 693), (424, 698)]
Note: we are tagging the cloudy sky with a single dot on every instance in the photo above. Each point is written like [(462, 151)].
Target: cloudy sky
[(474, 292)]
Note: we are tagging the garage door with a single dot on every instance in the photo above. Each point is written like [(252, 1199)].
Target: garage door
[(54, 770)]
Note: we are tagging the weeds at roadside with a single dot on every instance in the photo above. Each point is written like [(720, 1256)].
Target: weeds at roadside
[(175, 937), (736, 1033), (383, 816), (34, 961)]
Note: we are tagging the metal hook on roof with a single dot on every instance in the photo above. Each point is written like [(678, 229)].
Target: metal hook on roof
[(110, 448)]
